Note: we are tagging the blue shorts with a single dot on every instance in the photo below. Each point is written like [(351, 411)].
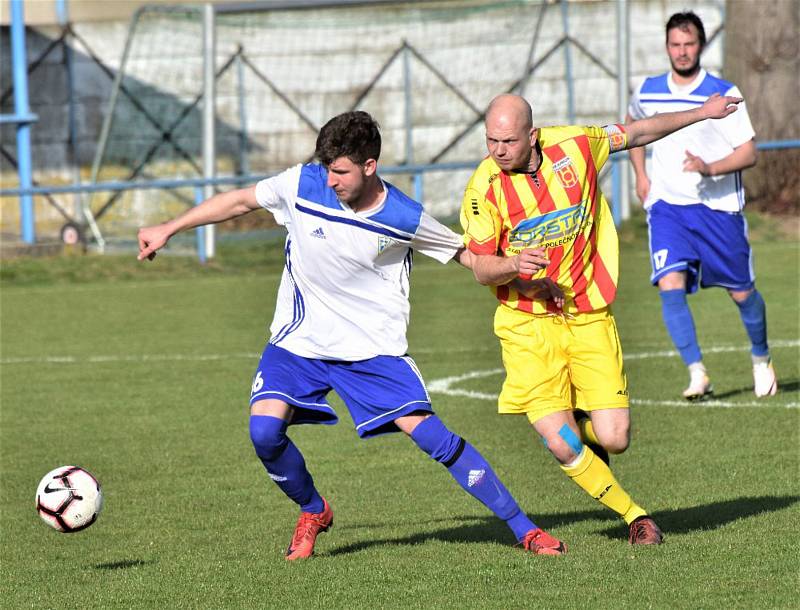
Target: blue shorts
[(376, 391), (711, 246)]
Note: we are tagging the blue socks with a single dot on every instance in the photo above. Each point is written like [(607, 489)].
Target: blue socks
[(286, 466), (471, 471), (284, 462), (680, 324), (754, 316)]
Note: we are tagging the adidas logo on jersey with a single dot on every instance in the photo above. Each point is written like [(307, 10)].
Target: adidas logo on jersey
[(318, 233), (474, 477)]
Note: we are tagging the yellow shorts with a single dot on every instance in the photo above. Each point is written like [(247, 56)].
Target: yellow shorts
[(557, 363)]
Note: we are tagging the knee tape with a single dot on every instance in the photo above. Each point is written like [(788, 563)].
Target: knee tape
[(571, 439)]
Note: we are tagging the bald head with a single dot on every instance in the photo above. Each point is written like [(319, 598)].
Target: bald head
[(510, 135), (511, 109)]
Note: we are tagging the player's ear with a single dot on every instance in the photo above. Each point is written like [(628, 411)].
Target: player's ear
[(370, 167), (534, 136)]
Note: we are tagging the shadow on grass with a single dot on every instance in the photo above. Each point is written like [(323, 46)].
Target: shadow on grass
[(783, 386), (743, 391), (717, 514), (121, 565), (476, 529), (679, 521), (788, 386)]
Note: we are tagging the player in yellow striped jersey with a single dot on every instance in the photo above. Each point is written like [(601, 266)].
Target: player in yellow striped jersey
[(537, 194)]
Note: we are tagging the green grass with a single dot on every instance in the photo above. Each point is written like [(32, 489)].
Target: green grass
[(141, 373)]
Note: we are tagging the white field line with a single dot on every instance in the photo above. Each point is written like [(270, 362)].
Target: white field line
[(129, 358), (445, 385), (719, 349), (448, 385), (245, 355)]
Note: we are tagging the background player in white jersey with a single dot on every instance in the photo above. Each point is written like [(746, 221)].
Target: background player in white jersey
[(694, 198), (341, 317)]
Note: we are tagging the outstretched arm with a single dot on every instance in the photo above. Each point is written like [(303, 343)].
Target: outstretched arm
[(214, 209), (654, 128)]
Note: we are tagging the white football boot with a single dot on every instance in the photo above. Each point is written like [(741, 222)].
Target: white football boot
[(764, 381), (700, 387)]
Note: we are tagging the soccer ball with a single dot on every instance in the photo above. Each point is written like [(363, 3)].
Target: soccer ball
[(69, 499)]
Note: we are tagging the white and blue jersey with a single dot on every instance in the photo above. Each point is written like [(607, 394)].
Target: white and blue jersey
[(345, 287), (711, 140)]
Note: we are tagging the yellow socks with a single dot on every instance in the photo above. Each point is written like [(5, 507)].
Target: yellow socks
[(596, 479), (587, 431)]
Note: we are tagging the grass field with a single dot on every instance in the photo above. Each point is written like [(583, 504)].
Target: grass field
[(141, 374)]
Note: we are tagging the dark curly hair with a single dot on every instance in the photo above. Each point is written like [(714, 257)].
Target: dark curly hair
[(682, 21), (354, 135)]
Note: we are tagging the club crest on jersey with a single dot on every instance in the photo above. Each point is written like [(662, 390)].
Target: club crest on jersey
[(383, 243), (548, 230), (565, 172)]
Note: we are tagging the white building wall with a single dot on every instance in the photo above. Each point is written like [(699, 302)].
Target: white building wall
[(322, 60)]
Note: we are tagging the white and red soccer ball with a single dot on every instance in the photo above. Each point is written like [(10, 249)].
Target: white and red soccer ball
[(69, 499)]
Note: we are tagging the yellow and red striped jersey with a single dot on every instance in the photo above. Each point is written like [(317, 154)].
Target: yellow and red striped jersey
[(559, 208)]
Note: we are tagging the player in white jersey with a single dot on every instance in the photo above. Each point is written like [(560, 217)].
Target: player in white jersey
[(341, 317), (694, 198)]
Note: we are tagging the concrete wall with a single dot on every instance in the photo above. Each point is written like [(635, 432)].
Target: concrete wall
[(322, 61)]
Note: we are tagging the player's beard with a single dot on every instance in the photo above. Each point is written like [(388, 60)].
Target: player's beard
[(353, 197), (687, 72)]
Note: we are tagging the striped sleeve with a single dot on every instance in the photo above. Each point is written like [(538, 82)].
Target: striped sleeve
[(480, 218)]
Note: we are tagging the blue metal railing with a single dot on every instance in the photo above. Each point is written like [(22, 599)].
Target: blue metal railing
[(416, 170), (616, 180)]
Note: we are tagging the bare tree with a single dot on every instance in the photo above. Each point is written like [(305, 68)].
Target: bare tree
[(762, 56)]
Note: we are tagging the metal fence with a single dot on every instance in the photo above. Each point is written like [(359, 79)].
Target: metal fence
[(426, 78)]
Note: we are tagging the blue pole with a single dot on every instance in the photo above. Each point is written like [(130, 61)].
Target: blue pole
[(62, 12), (418, 188), (201, 230), (616, 189), (22, 108)]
